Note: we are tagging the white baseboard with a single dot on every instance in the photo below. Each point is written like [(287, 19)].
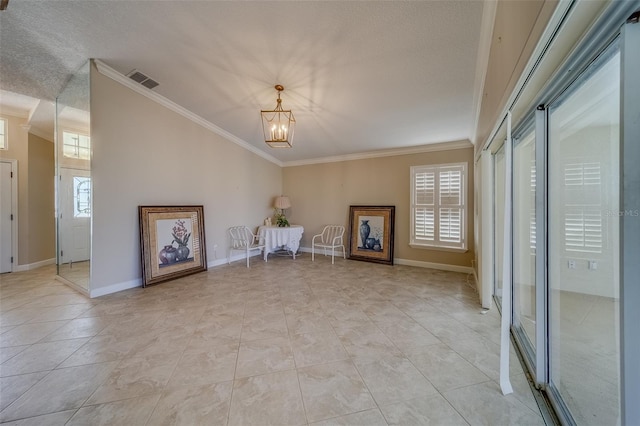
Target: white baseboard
[(35, 265), (430, 265), (113, 288), (126, 285)]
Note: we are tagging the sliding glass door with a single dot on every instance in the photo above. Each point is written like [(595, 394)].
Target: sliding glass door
[(524, 240), (499, 179), (574, 205), (584, 292)]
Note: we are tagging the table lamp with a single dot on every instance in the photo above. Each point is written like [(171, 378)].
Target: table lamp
[(281, 204)]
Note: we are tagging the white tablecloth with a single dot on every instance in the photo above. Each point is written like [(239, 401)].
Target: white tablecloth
[(275, 237)]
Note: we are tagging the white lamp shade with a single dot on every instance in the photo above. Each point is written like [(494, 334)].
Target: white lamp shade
[(282, 202)]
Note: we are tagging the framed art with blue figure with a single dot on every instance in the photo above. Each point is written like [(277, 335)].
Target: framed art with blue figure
[(371, 233), (172, 242)]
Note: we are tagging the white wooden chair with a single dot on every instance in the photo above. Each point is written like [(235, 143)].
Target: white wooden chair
[(330, 238), (242, 239)]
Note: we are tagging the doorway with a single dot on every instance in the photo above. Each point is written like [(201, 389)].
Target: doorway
[(8, 217), (74, 242)]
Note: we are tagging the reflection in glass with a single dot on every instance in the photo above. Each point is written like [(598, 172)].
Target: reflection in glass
[(81, 196), (498, 223), (524, 233), (74, 182), (583, 261), (75, 145)]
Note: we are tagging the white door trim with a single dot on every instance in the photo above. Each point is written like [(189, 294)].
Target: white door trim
[(14, 212)]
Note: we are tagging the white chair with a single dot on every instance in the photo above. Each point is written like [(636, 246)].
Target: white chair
[(330, 238), (242, 239)]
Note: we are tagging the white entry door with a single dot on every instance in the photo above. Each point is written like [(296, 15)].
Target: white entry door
[(75, 215), (6, 216)]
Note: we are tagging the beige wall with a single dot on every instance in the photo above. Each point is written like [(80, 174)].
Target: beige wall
[(18, 140), (146, 154), (517, 29), (322, 193), (42, 224), (36, 220)]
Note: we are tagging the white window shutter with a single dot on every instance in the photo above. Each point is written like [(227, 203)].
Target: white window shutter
[(424, 224), (424, 205), (450, 215), (437, 205)]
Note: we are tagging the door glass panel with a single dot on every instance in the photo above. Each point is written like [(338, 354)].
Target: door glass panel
[(524, 241), (583, 261), (498, 224), (74, 192)]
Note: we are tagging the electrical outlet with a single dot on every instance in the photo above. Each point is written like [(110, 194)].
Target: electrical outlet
[(571, 264), (593, 265)]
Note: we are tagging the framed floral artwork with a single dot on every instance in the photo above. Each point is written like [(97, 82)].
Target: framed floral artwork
[(172, 242), (371, 233)]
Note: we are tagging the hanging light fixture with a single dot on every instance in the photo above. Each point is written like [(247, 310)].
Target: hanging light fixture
[(278, 124)]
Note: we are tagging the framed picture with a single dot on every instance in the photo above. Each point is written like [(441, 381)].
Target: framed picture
[(371, 233), (172, 242)]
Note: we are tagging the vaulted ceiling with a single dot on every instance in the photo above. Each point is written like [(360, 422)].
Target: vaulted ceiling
[(360, 76)]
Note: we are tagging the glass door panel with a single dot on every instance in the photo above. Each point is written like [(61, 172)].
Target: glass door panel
[(583, 254), (498, 223), (524, 238)]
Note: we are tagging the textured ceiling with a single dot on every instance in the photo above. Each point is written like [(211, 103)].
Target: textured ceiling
[(359, 76)]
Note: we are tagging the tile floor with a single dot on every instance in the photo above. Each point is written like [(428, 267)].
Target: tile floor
[(282, 343)]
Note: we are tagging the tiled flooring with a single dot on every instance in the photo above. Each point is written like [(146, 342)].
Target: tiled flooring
[(283, 343)]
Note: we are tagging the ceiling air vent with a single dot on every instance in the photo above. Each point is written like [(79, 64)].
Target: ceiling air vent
[(149, 84), (138, 77)]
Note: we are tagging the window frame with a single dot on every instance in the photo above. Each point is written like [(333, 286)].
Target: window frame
[(437, 243), (77, 146), (4, 139)]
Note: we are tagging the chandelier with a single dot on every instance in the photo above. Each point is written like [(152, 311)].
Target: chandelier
[(278, 124)]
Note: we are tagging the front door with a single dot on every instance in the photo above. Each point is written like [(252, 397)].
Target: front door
[(6, 216), (75, 215)]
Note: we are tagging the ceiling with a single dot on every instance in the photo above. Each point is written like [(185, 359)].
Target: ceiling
[(359, 76)]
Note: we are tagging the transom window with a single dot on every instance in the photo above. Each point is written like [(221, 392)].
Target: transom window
[(438, 209), (75, 145), (3, 134)]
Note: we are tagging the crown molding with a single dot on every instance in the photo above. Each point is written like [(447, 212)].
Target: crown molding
[(14, 112), (40, 133), (107, 71), (443, 146)]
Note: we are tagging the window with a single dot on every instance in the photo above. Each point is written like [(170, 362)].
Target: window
[(583, 226), (75, 145), (3, 134), (81, 196), (438, 206)]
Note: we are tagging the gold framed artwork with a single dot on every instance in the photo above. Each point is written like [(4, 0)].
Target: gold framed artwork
[(371, 233), (172, 242)]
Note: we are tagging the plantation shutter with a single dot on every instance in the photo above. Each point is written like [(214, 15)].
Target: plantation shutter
[(437, 208), (583, 222), (424, 205), (450, 215)]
